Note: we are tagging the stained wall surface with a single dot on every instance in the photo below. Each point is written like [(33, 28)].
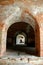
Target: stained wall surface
[(29, 11)]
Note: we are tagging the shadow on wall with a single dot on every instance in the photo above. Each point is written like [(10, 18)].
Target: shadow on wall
[(37, 38)]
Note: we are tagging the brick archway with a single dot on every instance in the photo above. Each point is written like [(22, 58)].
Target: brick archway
[(25, 17), (27, 31)]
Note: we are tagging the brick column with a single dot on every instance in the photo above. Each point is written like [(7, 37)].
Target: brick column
[(37, 39), (39, 18), (2, 39), (41, 39)]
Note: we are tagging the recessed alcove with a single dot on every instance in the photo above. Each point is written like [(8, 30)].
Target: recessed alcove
[(21, 37)]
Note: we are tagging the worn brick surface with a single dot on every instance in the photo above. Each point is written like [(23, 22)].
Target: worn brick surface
[(12, 11)]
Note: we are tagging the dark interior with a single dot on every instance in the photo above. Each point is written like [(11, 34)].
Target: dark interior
[(24, 29)]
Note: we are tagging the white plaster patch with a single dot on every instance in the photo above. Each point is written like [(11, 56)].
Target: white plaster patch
[(16, 13)]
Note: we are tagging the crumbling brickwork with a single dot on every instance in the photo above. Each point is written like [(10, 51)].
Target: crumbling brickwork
[(29, 11)]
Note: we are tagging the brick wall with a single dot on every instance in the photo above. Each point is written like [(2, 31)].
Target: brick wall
[(22, 11)]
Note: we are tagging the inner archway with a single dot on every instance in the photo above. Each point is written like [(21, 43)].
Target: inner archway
[(24, 30)]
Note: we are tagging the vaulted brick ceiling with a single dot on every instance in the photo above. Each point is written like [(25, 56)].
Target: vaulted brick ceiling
[(4, 2)]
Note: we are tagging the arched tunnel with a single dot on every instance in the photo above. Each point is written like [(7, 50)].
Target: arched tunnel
[(21, 37)]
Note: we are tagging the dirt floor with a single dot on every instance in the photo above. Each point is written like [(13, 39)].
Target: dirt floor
[(20, 58)]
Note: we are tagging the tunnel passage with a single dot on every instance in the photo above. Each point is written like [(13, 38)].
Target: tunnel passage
[(21, 37)]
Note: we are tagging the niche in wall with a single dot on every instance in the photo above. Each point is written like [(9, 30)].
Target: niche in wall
[(21, 37)]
